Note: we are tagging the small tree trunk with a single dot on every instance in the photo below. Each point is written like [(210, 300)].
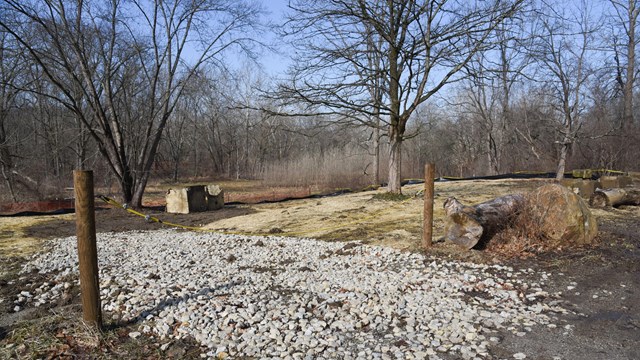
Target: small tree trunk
[(627, 91), (136, 198), (395, 165), (376, 159), (562, 161), (127, 189), (7, 178), (176, 170)]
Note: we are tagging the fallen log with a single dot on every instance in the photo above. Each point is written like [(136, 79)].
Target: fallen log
[(467, 226), (614, 197), (551, 215)]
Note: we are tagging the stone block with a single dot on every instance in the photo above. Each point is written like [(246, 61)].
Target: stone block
[(625, 181), (215, 197), (582, 173), (609, 182), (584, 188), (185, 200)]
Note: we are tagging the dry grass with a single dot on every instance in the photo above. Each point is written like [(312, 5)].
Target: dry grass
[(359, 216), (13, 240), (337, 168), (522, 237), (61, 334)]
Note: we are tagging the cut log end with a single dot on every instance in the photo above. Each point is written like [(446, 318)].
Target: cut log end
[(598, 200), (463, 230)]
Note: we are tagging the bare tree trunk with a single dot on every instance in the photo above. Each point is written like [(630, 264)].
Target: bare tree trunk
[(6, 174), (246, 144), (81, 154), (237, 163), (395, 165), (631, 58), (6, 162), (376, 156), (396, 126), (126, 189), (562, 160), (494, 162)]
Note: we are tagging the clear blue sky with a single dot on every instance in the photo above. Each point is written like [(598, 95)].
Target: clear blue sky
[(275, 64)]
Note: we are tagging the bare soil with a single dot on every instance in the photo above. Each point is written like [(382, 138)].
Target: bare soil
[(600, 283)]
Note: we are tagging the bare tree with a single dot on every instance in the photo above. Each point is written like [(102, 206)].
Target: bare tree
[(627, 14), (424, 45), (121, 67), (562, 49), (11, 65), (489, 88)]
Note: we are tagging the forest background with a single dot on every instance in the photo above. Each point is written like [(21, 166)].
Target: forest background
[(179, 91)]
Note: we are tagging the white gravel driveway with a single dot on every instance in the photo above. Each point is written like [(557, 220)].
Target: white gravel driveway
[(301, 298)]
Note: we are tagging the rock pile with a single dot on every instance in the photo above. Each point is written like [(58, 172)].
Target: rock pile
[(301, 298)]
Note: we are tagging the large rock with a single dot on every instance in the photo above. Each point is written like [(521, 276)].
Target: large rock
[(561, 216)]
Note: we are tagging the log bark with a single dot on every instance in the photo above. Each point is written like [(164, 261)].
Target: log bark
[(468, 226), (614, 197)]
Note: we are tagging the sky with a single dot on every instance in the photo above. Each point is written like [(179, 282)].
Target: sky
[(275, 64)]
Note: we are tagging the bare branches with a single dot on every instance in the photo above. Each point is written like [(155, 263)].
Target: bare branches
[(121, 76), (375, 59)]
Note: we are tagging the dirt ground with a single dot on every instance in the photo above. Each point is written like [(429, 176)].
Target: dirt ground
[(600, 284)]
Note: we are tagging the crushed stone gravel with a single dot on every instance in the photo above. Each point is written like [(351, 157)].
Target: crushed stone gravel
[(296, 298)]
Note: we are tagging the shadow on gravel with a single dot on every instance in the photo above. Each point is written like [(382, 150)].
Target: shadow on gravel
[(172, 301)]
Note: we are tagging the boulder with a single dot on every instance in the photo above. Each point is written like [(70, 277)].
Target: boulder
[(561, 216)]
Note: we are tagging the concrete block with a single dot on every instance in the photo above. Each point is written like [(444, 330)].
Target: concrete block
[(215, 197), (582, 187), (609, 182), (625, 181), (184, 200)]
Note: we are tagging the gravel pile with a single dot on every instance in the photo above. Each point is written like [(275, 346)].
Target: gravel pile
[(301, 298)]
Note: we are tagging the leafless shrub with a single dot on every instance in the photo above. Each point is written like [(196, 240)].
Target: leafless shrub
[(335, 169)]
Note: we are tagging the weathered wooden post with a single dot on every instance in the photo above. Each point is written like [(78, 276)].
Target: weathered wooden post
[(87, 248), (427, 223)]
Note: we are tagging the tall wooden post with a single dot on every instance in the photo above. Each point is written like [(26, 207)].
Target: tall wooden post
[(87, 248), (427, 223)]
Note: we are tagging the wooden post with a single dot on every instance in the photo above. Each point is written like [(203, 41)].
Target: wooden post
[(87, 248), (427, 223)]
